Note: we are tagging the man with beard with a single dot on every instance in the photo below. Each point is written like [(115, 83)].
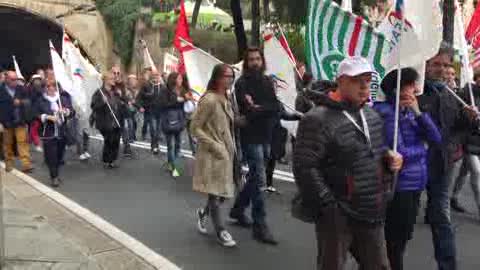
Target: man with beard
[(257, 101)]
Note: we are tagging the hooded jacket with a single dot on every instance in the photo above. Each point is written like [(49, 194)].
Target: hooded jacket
[(334, 164)]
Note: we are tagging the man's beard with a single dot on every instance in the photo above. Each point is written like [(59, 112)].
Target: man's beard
[(256, 73)]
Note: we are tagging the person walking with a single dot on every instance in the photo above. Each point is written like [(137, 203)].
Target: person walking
[(445, 159), (257, 102), (15, 110), (415, 128), (173, 120), (343, 172), (106, 106), (36, 91), (53, 110), (212, 126), (148, 101), (278, 144), (471, 162)]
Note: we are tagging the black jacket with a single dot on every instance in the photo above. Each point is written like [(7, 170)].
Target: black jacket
[(171, 109), (448, 115), (104, 119), (149, 98), (50, 130), (333, 163), (10, 115), (280, 134), (260, 121), (472, 144)]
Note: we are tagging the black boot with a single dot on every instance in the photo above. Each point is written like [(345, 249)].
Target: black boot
[(457, 206), (262, 234), (240, 219)]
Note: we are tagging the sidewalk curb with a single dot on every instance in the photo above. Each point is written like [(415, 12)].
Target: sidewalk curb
[(149, 256)]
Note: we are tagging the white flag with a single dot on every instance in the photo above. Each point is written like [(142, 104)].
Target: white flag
[(61, 74), (199, 66), (17, 68), (460, 44), (85, 79), (147, 58), (170, 63), (347, 5), (282, 71)]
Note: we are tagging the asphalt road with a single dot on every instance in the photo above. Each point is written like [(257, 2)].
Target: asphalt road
[(144, 201)]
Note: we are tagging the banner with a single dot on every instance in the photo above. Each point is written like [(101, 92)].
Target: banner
[(461, 47), (61, 75), (333, 34), (281, 69), (199, 66), (473, 29), (147, 58), (170, 63), (85, 79), (182, 32)]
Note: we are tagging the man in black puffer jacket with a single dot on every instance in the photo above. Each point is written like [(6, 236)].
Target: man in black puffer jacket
[(343, 171)]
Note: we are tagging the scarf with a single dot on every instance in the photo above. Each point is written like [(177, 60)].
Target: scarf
[(53, 102)]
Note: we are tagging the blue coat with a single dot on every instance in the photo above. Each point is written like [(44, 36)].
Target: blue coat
[(413, 133)]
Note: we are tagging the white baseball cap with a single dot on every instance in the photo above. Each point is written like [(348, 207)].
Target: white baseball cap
[(354, 66)]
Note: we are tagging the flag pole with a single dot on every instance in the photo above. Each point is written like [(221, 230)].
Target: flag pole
[(397, 98), (289, 51), (109, 107)]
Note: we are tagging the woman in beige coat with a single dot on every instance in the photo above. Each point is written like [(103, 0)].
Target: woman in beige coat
[(212, 125)]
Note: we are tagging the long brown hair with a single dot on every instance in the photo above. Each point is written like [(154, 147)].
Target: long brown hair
[(172, 80), (217, 74)]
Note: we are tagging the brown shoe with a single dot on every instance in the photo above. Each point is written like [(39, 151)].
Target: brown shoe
[(28, 170)]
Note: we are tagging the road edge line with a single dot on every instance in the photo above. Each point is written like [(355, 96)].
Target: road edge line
[(141, 250)]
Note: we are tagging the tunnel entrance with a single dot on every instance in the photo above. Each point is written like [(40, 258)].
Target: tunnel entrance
[(26, 36)]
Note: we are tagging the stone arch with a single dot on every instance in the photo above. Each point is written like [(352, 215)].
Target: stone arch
[(80, 19)]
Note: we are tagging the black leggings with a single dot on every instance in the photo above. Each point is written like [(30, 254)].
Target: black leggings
[(111, 144), (53, 151), (214, 210)]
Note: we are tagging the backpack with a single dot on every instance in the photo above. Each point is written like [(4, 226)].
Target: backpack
[(173, 121)]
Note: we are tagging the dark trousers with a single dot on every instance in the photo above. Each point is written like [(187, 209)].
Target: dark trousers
[(338, 234), (255, 155), (53, 152), (400, 221), (111, 144), (271, 163)]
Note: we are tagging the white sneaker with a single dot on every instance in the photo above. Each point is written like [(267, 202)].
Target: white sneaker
[(38, 149), (83, 157), (87, 155), (202, 219), (225, 239)]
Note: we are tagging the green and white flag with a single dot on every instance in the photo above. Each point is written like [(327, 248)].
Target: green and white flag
[(333, 34)]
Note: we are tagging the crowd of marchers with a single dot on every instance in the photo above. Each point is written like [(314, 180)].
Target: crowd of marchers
[(359, 175)]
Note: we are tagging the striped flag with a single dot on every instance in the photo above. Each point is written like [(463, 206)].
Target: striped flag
[(475, 58), (333, 34)]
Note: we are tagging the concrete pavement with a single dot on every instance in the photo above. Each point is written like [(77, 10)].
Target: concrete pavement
[(143, 200), (43, 234)]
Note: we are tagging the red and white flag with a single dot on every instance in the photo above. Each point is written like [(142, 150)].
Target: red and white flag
[(182, 32), (473, 30)]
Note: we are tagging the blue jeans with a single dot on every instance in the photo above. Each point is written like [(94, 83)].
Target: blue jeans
[(438, 215), (153, 121), (173, 147), (255, 155)]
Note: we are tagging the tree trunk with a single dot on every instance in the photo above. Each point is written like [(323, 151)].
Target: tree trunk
[(448, 21), (239, 27), (196, 11), (266, 11), (255, 23)]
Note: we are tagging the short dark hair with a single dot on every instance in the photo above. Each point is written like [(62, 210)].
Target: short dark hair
[(250, 50), (217, 74), (389, 83)]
